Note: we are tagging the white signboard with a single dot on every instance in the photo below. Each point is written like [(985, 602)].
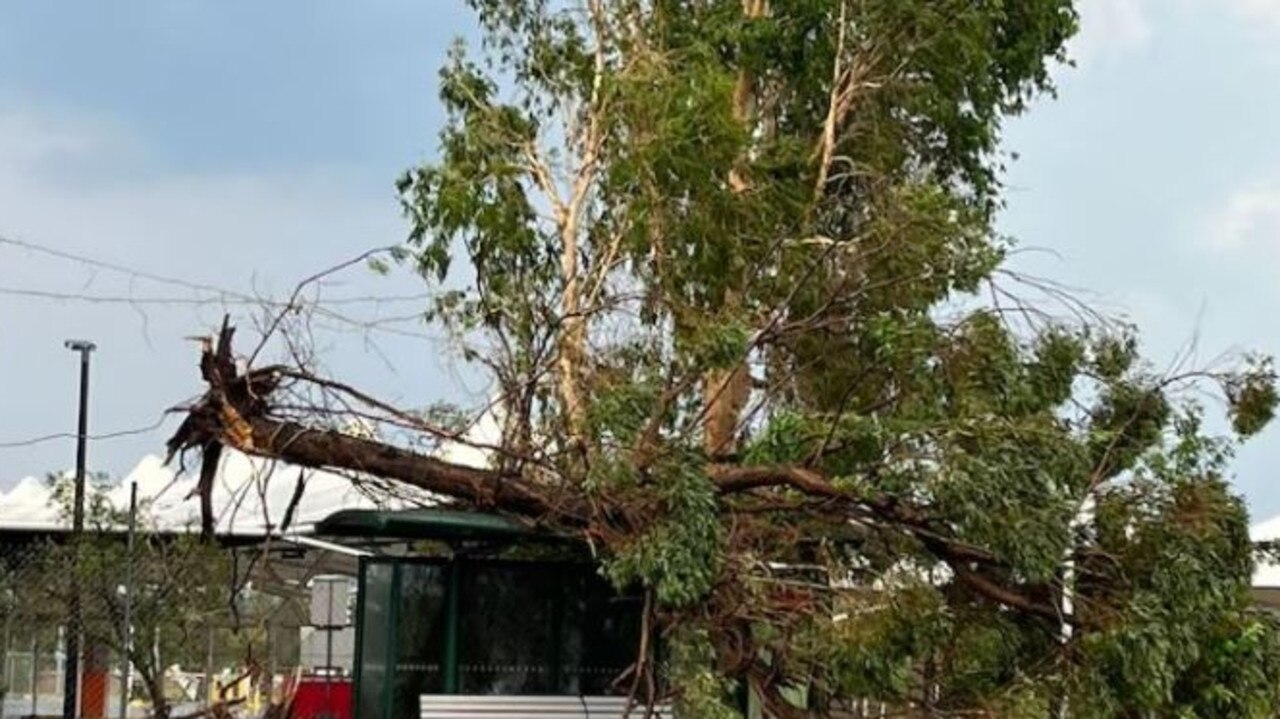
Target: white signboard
[(319, 653), (330, 602)]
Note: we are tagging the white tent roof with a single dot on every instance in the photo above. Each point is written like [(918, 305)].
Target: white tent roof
[(250, 496)]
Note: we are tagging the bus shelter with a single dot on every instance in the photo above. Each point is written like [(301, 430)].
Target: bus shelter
[(471, 621)]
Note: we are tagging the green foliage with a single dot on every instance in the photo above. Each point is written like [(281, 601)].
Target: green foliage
[(1113, 356), (1252, 394), (877, 649), (678, 551), (703, 693), (1180, 541)]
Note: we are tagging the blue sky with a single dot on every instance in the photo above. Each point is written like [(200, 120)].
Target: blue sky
[(248, 144)]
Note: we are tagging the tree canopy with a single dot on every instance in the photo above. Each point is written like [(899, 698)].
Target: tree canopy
[(733, 268)]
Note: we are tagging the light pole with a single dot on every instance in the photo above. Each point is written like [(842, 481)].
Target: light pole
[(125, 664), (71, 675)]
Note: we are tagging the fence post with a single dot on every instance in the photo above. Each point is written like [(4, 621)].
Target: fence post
[(271, 662), (35, 673), (208, 665), (6, 683)]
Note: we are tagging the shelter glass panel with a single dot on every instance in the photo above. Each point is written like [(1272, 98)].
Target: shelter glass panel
[(600, 635), (375, 639), (508, 629), (419, 667)]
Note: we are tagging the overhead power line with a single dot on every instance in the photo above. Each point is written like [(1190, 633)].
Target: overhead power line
[(113, 267), (93, 437), (217, 296), (221, 300)]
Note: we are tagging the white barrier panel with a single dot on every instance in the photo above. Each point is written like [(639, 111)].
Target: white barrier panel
[(454, 706)]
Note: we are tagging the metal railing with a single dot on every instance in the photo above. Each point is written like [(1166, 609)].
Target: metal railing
[(440, 706)]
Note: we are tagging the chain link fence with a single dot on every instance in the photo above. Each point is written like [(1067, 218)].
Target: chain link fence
[(167, 629)]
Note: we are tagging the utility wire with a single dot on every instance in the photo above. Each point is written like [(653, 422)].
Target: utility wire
[(228, 300), (223, 295), (140, 274), (93, 437)]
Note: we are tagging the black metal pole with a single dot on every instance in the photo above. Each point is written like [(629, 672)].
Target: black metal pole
[(71, 676), (126, 665)]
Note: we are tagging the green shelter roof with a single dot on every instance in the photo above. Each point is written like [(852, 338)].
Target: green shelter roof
[(420, 524)]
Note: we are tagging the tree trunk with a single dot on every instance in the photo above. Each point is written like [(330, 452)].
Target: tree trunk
[(725, 394), (153, 680), (325, 449), (726, 391)]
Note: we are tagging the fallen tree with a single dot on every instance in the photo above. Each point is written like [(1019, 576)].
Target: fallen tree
[(727, 259)]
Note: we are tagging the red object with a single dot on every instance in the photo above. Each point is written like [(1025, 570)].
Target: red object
[(322, 698), (93, 683), (93, 700)]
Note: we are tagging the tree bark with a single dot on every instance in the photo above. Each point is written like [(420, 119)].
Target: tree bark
[(325, 449), (726, 391), (153, 679)]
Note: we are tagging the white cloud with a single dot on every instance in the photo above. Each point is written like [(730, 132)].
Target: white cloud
[(1111, 27), (1247, 222), (1114, 28), (1264, 11), (25, 139)]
